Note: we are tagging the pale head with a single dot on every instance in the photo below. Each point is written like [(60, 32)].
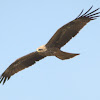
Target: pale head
[(41, 49)]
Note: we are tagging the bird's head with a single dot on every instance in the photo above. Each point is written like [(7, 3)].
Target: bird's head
[(42, 49)]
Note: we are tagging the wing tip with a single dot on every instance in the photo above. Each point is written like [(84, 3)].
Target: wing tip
[(90, 15), (3, 79)]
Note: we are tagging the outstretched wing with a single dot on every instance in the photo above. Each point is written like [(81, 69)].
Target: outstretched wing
[(66, 32), (20, 64)]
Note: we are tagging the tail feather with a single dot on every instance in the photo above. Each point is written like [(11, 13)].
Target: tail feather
[(64, 55)]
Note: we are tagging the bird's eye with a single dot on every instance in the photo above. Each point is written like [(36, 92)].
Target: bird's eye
[(39, 49)]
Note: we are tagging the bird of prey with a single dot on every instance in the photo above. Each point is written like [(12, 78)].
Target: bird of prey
[(62, 36)]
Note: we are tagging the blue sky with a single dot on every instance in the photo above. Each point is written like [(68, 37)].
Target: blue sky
[(27, 24)]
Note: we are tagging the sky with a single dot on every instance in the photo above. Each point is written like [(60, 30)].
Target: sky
[(27, 24)]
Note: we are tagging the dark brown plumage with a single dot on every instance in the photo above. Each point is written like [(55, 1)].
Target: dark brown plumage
[(66, 32), (20, 64), (52, 48)]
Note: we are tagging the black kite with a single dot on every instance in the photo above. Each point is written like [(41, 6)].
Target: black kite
[(52, 48)]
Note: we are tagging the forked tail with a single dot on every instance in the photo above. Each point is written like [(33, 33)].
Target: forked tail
[(64, 55)]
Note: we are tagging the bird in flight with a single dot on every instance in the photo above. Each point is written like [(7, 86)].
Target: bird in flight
[(52, 48)]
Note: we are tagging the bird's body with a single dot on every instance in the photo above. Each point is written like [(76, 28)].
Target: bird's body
[(54, 51), (62, 36)]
